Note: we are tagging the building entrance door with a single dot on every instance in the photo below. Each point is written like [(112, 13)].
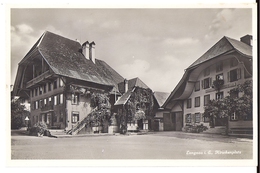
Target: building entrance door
[(178, 121)]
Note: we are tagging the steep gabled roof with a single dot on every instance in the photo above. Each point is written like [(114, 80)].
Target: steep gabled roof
[(64, 57), (109, 72), (124, 98), (224, 45), (135, 82), (161, 97), (132, 84)]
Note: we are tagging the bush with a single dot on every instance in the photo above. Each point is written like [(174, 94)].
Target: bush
[(39, 129), (195, 128), (41, 125)]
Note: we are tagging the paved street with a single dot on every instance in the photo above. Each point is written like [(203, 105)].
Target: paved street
[(159, 145)]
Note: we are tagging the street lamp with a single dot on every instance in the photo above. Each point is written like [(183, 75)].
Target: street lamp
[(27, 121)]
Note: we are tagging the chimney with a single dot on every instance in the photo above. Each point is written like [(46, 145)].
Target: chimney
[(92, 52), (126, 85), (85, 49), (247, 39)]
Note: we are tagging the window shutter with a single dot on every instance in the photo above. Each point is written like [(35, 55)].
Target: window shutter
[(192, 117), (228, 76), (210, 82), (239, 73), (202, 84)]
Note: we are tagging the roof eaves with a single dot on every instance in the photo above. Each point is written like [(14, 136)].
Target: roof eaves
[(239, 51)]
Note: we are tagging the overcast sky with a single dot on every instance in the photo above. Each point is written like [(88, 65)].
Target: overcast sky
[(156, 45)]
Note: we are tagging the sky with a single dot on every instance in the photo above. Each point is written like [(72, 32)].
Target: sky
[(156, 45)]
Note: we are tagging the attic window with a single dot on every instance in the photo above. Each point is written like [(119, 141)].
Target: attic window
[(55, 84)]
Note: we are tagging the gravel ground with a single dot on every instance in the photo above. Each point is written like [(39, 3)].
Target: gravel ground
[(159, 145)]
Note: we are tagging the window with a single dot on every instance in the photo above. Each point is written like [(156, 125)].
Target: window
[(36, 105), (40, 103), (189, 103), (219, 95), (220, 77), (75, 117), (206, 83), (233, 117), (49, 86), (40, 90), (50, 103), (36, 91), (197, 101), (234, 75), (44, 88), (55, 84), (32, 93), (197, 86), (197, 117), (55, 100), (219, 66), (45, 102), (188, 118), (206, 99), (74, 98), (61, 98), (207, 71), (233, 62), (61, 82)]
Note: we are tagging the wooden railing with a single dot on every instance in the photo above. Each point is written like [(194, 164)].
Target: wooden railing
[(47, 108), (38, 79), (80, 124)]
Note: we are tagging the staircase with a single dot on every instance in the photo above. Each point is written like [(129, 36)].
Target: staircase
[(80, 125)]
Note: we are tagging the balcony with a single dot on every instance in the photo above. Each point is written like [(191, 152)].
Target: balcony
[(47, 108), (217, 84), (38, 79)]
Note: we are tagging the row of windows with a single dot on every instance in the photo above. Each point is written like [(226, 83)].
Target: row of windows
[(55, 100), (232, 75), (219, 66), (219, 95), (48, 86), (198, 117), (45, 118)]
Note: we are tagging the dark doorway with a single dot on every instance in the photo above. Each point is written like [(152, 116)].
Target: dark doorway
[(140, 124), (156, 125), (178, 121)]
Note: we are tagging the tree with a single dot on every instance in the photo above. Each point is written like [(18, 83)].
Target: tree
[(240, 106), (18, 113)]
